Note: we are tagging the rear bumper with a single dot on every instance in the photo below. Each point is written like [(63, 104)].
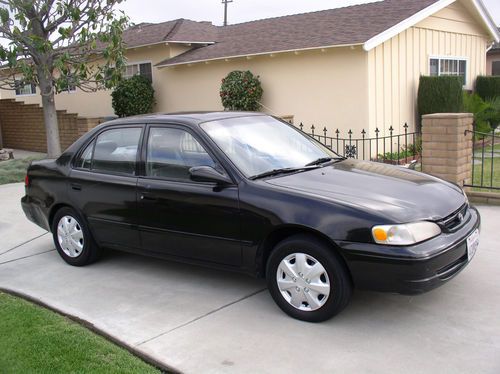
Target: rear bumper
[(424, 267), (34, 212)]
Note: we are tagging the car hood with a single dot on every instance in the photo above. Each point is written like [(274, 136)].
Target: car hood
[(397, 193)]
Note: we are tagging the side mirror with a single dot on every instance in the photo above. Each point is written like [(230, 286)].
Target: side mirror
[(208, 174)]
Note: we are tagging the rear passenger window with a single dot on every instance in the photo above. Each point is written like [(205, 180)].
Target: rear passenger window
[(116, 151), (85, 159), (172, 152)]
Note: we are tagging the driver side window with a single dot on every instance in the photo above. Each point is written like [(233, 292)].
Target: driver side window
[(171, 152)]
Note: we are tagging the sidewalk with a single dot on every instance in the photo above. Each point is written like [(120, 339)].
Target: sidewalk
[(202, 320)]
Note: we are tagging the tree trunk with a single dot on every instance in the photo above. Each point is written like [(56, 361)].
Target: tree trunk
[(49, 116)]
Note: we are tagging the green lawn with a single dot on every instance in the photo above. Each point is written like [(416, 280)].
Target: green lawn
[(36, 340), (12, 171), (487, 174)]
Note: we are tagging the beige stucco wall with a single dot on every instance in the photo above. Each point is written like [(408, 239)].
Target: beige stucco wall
[(98, 104), (324, 88), (396, 66)]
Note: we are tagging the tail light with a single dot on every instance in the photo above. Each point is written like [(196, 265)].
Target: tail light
[(26, 181)]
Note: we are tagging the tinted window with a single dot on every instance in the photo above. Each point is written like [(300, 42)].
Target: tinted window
[(172, 152), (495, 68), (116, 151)]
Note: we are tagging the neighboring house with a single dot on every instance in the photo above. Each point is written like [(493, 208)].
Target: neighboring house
[(355, 67), (493, 60)]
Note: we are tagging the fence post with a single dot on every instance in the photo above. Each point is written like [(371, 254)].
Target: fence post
[(446, 147)]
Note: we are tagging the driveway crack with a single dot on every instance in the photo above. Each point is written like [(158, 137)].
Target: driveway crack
[(22, 258), (23, 243), (201, 317)]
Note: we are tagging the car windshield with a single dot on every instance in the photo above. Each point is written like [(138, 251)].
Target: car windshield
[(262, 144)]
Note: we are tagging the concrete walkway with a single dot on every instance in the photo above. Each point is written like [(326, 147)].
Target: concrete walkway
[(200, 320)]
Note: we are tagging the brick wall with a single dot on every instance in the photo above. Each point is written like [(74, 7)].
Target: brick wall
[(22, 126), (447, 147)]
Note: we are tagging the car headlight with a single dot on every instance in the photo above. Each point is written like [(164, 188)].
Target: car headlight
[(406, 234)]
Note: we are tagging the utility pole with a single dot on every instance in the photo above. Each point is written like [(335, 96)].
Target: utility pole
[(225, 2)]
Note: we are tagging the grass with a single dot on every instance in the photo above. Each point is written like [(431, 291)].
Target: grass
[(487, 174), (36, 340), (13, 171)]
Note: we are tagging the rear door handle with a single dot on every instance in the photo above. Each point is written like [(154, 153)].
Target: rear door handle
[(76, 186)]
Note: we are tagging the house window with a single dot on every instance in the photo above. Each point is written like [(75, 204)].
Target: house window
[(495, 68), (25, 89), (449, 66), (139, 69)]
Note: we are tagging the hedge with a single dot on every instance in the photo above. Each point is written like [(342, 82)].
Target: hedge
[(440, 95), (133, 96), (488, 87)]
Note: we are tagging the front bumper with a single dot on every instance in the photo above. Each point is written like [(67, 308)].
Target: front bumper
[(411, 270)]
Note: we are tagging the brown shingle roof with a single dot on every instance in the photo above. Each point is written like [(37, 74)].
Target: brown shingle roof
[(181, 30), (343, 26)]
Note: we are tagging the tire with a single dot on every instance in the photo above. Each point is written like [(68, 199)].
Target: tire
[(72, 238), (312, 296)]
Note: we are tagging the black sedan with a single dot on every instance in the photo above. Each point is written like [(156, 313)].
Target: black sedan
[(248, 192)]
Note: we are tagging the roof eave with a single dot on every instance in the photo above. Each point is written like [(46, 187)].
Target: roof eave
[(160, 65), (405, 24), (423, 14)]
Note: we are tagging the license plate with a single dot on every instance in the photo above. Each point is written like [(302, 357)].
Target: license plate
[(472, 244)]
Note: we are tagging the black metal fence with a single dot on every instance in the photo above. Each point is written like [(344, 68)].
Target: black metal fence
[(396, 149), (485, 160)]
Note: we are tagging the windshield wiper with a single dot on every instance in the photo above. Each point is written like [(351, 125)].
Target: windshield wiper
[(274, 172), (324, 160)]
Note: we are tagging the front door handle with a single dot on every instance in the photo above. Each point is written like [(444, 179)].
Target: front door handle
[(76, 186), (148, 197)]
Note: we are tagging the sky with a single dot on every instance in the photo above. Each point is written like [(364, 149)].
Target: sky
[(240, 10)]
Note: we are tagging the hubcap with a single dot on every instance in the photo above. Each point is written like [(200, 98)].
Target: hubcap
[(303, 282), (70, 236)]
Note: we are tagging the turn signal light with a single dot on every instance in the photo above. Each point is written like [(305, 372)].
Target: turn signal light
[(26, 181)]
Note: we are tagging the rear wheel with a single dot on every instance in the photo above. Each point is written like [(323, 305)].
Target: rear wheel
[(307, 280), (72, 238)]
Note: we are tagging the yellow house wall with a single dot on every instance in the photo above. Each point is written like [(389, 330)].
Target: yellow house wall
[(98, 104), (396, 66), (321, 88)]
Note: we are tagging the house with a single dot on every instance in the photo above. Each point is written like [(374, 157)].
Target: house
[(355, 68), (493, 60)]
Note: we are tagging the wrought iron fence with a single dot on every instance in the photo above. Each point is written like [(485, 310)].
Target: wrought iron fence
[(485, 160), (396, 149)]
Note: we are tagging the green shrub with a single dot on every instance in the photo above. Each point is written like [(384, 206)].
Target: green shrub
[(486, 112), (440, 95), (241, 90), (488, 87), (133, 96)]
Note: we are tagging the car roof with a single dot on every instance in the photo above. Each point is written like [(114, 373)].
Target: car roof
[(188, 118)]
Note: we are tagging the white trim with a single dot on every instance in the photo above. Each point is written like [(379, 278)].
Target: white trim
[(405, 24), (258, 54), (486, 16), (165, 42), (187, 42)]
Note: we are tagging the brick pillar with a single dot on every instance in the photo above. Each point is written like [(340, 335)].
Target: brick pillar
[(446, 149)]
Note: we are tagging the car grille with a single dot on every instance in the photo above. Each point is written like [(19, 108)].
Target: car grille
[(450, 270), (455, 220)]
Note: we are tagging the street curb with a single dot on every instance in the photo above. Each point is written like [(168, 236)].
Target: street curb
[(139, 354)]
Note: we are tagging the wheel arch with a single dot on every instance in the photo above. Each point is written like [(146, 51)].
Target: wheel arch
[(283, 232), (54, 210)]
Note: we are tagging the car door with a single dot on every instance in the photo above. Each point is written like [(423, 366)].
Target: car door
[(180, 217), (103, 186)]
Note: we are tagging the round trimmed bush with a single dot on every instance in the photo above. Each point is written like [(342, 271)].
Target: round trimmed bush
[(241, 90), (133, 96)]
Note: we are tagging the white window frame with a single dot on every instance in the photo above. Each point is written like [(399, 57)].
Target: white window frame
[(456, 58), (25, 95), (138, 68)]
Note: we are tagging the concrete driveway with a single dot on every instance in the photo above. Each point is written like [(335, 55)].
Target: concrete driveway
[(200, 320)]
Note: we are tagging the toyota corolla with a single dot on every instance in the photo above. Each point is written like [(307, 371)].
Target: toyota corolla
[(250, 193)]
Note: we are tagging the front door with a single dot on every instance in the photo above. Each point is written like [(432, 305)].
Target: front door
[(178, 216)]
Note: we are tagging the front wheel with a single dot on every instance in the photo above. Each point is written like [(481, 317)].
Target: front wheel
[(307, 280), (72, 238)]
